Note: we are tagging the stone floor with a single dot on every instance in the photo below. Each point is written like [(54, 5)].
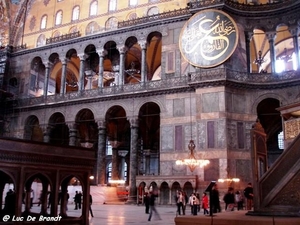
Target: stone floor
[(121, 214)]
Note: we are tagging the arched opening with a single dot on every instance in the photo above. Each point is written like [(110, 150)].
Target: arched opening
[(270, 119)]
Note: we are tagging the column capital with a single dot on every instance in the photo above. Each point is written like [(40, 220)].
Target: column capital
[(46, 62), (294, 31), (101, 123), (271, 35), (82, 56), (249, 35), (71, 125), (143, 44), (64, 61), (122, 49), (102, 52), (134, 121)]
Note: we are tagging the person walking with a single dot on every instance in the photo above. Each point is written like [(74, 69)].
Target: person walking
[(215, 199), (146, 202), (152, 207), (248, 193), (239, 200), (180, 202), (229, 200), (205, 203), (90, 207)]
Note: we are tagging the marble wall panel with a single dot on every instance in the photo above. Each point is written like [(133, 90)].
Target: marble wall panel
[(210, 102), (167, 137), (178, 107)]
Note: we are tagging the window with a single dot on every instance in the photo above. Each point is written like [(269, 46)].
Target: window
[(41, 40), (132, 16), (153, 11), (93, 8), (133, 2), (75, 14), (92, 27), (280, 140), (111, 23), (58, 17), (112, 5), (44, 22)]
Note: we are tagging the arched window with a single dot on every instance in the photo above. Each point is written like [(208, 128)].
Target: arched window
[(41, 40), (56, 34), (132, 16), (94, 8), (133, 2), (75, 14), (111, 23), (112, 5), (44, 22), (280, 140), (73, 30), (92, 28), (153, 11), (58, 17)]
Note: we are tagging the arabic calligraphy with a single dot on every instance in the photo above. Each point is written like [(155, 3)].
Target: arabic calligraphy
[(208, 38)]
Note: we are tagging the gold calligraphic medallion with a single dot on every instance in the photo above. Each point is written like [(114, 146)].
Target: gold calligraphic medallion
[(208, 38)]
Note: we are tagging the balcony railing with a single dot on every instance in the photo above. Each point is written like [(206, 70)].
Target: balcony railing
[(156, 17), (171, 85), (63, 37)]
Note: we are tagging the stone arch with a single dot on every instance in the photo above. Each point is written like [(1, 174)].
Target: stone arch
[(133, 61), (87, 128), (149, 129), (188, 188), (271, 121), (37, 187), (164, 193), (32, 129), (59, 131), (111, 63), (174, 188), (67, 192), (7, 193), (91, 67), (118, 137), (260, 98), (153, 56)]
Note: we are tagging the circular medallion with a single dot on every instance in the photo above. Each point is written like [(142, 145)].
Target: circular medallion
[(208, 38)]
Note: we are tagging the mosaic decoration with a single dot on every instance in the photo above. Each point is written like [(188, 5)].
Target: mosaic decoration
[(32, 23), (46, 2)]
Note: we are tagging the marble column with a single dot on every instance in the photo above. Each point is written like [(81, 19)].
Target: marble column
[(46, 82), (248, 37), (100, 168), (295, 32), (271, 37), (72, 134), (133, 159), (102, 53), (143, 63), (114, 165), (122, 154), (46, 131), (122, 51), (82, 58), (147, 153), (63, 76)]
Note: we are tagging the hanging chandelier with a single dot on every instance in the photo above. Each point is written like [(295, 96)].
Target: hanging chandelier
[(191, 161)]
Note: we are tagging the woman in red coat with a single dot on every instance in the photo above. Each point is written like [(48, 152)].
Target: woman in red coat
[(205, 203)]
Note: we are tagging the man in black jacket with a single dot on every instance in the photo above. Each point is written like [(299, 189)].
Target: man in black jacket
[(248, 193)]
